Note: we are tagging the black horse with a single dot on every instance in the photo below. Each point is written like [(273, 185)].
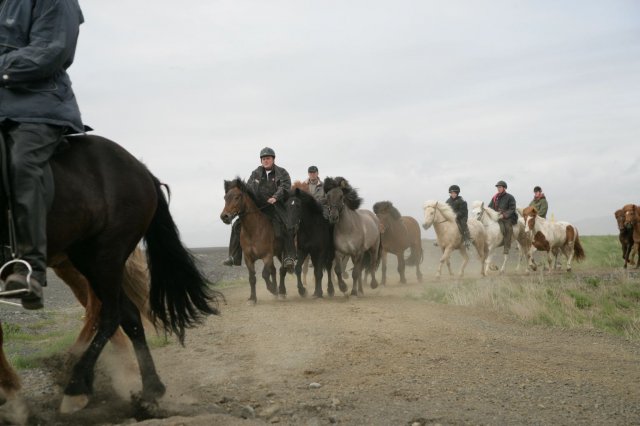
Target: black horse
[(314, 237), (105, 202)]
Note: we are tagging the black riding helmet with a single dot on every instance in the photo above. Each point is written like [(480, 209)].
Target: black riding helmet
[(454, 188), (267, 152), (502, 184)]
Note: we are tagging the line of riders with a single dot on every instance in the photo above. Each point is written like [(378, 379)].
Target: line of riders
[(271, 182)]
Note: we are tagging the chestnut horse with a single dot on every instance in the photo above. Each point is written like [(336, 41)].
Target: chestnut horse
[(552, 237), (257, 237), (399, 233), (135, 285), (105, 202)]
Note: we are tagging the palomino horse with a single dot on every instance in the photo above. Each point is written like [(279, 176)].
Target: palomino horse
[(632, 223), (314, 237), (136, 287), (443, 219), (105, 202), (489, 218), (552, 237), (399, 233), (257, 237), (356, 233)]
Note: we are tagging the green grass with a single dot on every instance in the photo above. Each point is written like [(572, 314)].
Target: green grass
[(599, 294)]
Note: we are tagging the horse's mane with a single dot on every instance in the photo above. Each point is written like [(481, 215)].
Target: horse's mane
[(444, 208), (242, 186), (351, 198), (529, 211), (307, 199), (303, 186), (494, 215), (386, 207)]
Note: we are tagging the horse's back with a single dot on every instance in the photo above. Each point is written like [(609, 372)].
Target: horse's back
[(98, 184)]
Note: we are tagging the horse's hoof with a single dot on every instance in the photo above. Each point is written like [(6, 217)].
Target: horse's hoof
[(317, 296), (374, 284), (343, 287), (251, 302), (282, 296), (72, 403), (302, 292), (14, 411)]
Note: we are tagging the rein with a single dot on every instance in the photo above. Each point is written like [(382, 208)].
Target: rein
[(435, 207)]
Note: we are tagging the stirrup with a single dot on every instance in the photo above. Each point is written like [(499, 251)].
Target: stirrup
[(22, 291)]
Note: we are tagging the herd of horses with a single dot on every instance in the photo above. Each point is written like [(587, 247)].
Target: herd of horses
[(335, 230)]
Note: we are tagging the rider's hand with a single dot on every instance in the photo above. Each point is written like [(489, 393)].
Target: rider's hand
[(272, 200)]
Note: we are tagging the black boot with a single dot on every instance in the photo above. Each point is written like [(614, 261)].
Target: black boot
[(32, 299)]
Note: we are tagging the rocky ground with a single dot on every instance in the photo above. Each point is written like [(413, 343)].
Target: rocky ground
[(389, 358)]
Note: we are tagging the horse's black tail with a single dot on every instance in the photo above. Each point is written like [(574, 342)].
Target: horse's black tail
[(179, 296)]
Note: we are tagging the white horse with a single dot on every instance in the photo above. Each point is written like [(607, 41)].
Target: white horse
[(442, 217), (552, 237), (489, 218)]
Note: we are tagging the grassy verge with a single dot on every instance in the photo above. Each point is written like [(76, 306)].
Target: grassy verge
[(596, 295)]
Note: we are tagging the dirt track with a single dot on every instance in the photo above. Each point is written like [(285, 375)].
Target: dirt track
[(386, 359)]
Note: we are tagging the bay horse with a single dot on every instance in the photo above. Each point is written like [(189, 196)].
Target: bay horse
[(135, 285), (356, 233), (257, 237), (443, 219), (398, 234), (489, 218), (552, 237), (632, 224), (105, 202), (314, 237)]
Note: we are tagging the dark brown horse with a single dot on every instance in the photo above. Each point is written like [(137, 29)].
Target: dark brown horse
[(105, 202), (399, 233), (135, 285), (632, 224), (257, 237)]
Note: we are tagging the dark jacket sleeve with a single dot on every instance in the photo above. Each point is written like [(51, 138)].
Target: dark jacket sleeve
[(463, 211), (510, 210), (52, 40), (254, 181), (544, 206), (283, 183)]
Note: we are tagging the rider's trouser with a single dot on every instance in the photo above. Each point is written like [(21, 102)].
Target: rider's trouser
[(506, 227), (31, 145)]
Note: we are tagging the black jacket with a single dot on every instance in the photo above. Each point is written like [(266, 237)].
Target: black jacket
[(37, 45), (459, 206), (277, 185), (506, 205)]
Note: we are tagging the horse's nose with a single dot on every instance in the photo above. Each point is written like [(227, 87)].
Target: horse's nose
[(225, 218), (424, 225)]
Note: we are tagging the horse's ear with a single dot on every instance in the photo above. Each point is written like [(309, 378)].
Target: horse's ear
[(482, 205), (344, 184), (227, 184)]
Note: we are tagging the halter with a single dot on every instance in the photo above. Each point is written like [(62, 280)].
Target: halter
[(435, 207), (481, 212)]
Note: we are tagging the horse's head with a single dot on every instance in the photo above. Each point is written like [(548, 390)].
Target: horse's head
[(529, 215), (478, 210), (386, 212), (619, 215), (334, 205), (234, 205), (294, 210), (429, 213), (630, 215)]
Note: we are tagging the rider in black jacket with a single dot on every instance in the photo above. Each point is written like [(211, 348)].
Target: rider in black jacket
[(459, 206)]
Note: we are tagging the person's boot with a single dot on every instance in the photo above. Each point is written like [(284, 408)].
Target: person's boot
[(31, 300), (228, 261)]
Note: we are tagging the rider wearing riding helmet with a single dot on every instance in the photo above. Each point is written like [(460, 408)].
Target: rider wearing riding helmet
[(459, 206), (269, 183)]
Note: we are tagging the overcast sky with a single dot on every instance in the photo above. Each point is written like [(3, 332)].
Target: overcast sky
[(403, 98)]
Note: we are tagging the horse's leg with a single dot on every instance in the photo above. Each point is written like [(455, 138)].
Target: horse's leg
[(568, 252), (251, 267), (14, 410), (356, 274), (505, 257), (327, 266), (305, 270), (338, 270), (317, 274), (401, 267), (443, 259), (383, 259), (298, 269), (152, 387), (282, 289), (465, 259)]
